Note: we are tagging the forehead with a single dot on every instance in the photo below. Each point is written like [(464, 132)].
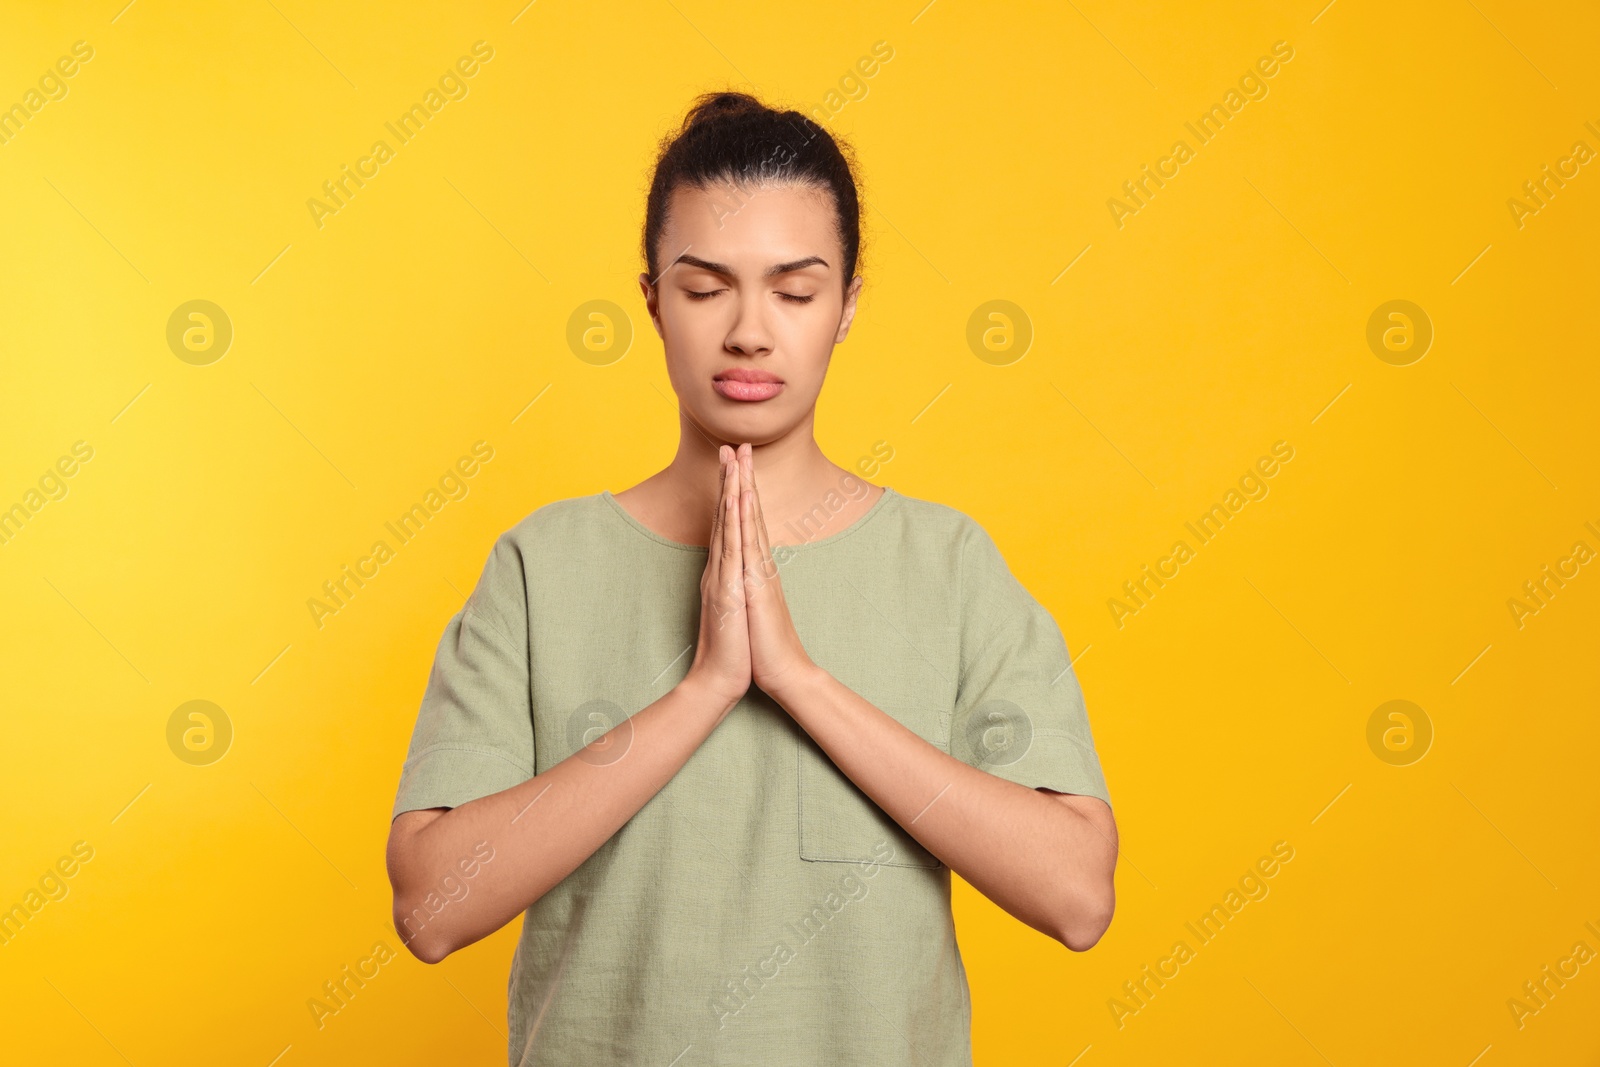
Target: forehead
[(746, 226)]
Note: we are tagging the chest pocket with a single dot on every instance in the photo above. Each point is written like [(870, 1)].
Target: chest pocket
[(841, 824)]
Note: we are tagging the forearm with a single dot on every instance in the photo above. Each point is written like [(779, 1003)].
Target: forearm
[(1034, 856), (541, 830)]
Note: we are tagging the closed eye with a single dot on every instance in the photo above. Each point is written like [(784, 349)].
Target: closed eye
[(693, 294)]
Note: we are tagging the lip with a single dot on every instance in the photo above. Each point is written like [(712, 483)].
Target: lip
[(747, 384)]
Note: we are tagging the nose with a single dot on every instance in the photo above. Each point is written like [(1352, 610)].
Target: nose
[(749, 334)]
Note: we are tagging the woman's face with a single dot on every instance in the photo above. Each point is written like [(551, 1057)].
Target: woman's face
[(752, 287)]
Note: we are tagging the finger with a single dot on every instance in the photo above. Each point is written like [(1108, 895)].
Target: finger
[(719, 521), (735, 536), (730, 527), (723, 592), (746, 517), (721, 510), (749, 548), (733, 570), (744, 482), (768, 567), (762, 562), (728, 581)]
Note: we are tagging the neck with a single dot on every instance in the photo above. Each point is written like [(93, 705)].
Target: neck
[(793, 474)]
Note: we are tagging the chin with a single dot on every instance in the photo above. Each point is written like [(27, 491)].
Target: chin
[(736, 423)]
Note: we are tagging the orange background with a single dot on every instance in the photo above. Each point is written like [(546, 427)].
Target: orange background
[(1168, 350)]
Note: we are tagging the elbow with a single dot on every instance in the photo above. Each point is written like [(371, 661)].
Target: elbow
[(1087, 922), (428, 951), (423, 940)]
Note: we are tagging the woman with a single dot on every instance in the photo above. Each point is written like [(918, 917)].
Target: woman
[(722, 742)]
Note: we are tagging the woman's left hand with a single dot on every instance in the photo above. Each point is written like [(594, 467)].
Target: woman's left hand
[(777, 656)]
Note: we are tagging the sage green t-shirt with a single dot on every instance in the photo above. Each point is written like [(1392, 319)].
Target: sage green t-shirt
[(760, 908)]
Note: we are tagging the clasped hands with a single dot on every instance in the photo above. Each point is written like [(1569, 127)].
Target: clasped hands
[(746, 634)]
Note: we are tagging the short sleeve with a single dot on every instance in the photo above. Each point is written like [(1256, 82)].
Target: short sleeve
[(1019, 710), (474, 732)]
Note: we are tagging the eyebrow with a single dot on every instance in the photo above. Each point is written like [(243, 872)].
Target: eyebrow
[(727, 271)]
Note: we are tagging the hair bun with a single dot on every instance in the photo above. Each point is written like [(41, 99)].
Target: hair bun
[(723, 104)]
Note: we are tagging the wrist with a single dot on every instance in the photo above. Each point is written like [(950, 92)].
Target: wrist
[(705, 693), (795, 683)]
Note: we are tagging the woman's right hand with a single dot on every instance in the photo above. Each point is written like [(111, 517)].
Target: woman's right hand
[(722, 653)]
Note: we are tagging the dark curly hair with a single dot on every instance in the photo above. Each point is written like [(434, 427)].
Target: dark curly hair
[(729, 136)]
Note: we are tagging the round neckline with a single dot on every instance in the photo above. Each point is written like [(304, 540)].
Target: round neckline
[(871, 513)]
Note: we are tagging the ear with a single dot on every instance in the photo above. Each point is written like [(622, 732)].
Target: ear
[(652, 302), (848, 314)]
